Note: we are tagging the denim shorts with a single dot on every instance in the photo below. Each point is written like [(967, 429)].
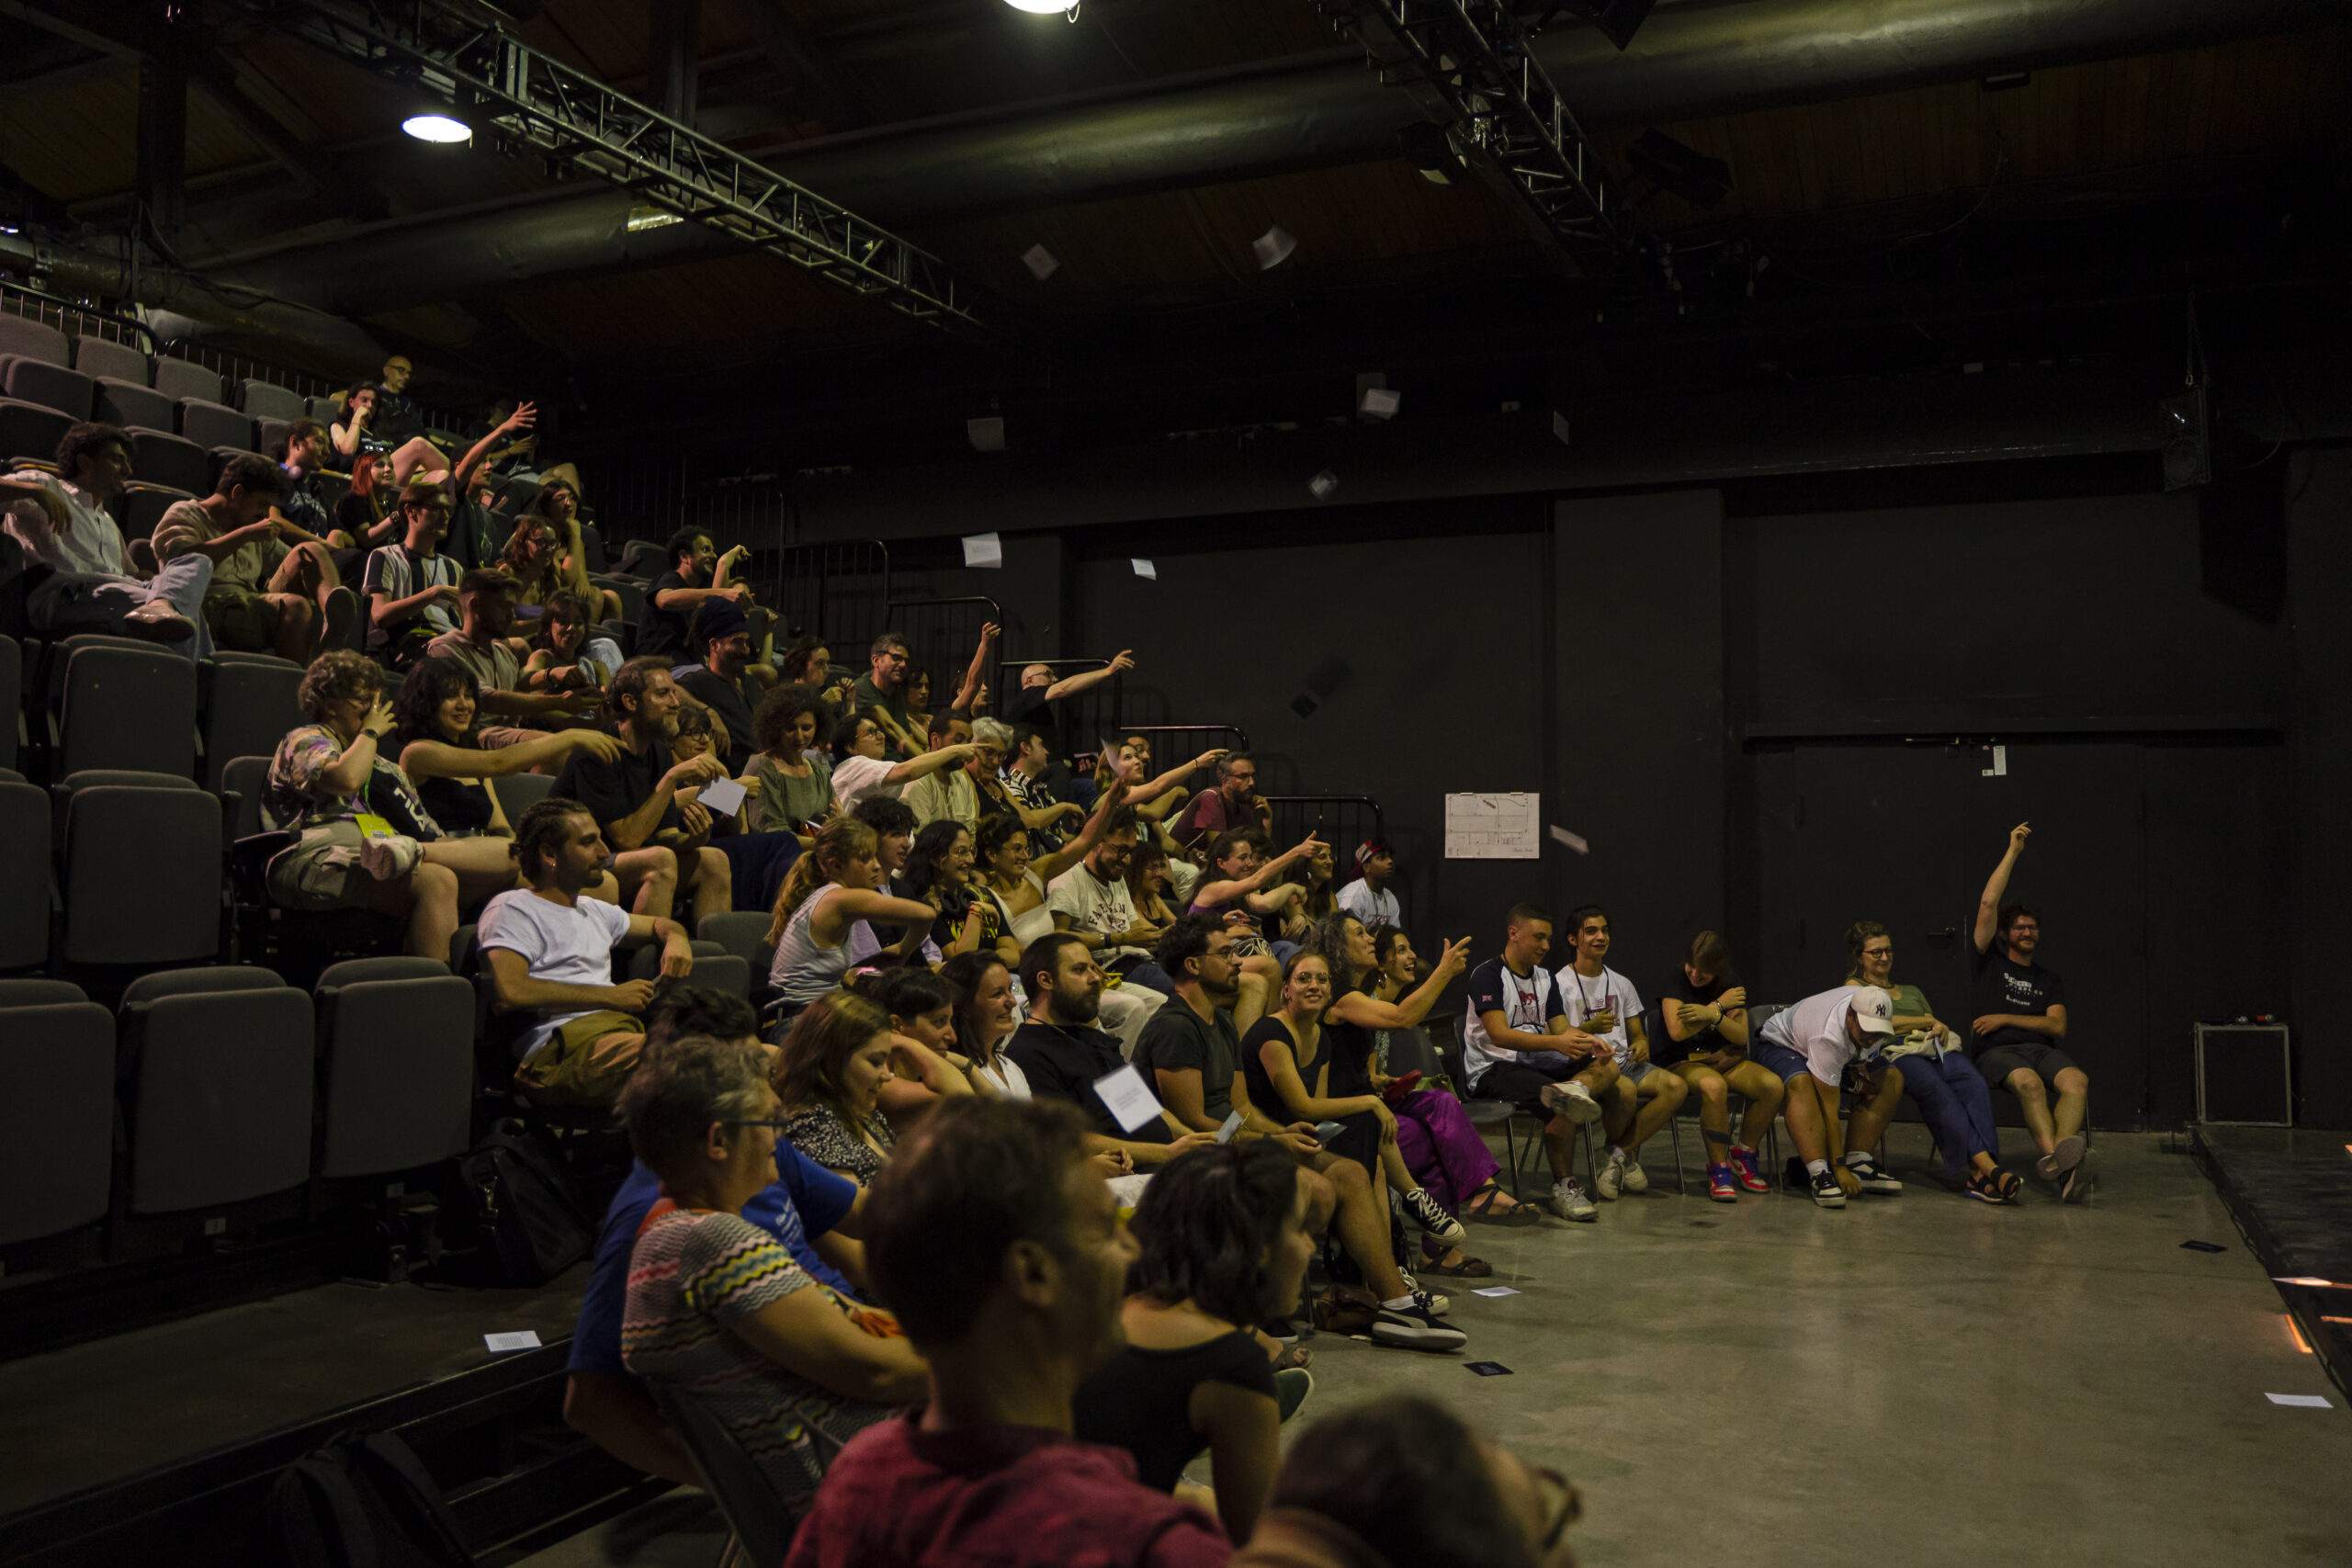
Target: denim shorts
[(1779, 1060)]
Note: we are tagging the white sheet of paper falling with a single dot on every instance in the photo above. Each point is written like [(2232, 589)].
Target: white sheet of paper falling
[(1040, 262), (983, 549), (1562, 836), (1380, 402), (1144, 568), (1321, 486), (1272, 248), (723, 797), (1124, 1096)]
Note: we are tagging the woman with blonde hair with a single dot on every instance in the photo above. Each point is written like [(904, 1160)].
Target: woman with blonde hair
[(821, 928)]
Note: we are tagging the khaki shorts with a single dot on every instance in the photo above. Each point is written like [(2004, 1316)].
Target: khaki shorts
[(240, 619), (322, 871), (497, 738), (584, 1061)]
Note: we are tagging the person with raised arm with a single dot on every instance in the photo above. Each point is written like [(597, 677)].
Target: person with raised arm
[(821, 926), (2020, 1026)]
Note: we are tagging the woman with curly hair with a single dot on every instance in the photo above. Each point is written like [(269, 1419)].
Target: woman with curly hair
[(790, 780), (437, 715)]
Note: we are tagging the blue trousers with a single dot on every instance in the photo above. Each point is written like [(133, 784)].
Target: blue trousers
[(1955, 1102)]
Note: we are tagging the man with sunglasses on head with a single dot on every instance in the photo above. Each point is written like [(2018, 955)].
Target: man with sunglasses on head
[(2020, 1021)]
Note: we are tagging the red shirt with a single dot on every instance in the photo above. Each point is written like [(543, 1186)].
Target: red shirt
[(1205, 818), (1003, 1496)]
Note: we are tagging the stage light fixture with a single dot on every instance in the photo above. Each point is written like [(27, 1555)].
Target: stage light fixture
[(435, 126), (1045, 7), (1429, 149)]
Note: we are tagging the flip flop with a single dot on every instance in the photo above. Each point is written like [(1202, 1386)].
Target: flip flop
[(1481, 1208), (1468, 1268)]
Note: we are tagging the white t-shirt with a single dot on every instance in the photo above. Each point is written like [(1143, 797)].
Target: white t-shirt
[(571, 947), (1528, 1002), (1583, 996), (855, 777), (91, 543), (1007, 1076), (1093, 905), (1373, 909), (1815, 1030)]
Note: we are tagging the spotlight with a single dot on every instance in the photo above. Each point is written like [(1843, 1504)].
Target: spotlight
[(1045, 7), (1671, 166), (1429, 149), (437, 126)]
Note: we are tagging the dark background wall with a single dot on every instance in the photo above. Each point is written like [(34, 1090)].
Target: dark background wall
[(1768, 707)]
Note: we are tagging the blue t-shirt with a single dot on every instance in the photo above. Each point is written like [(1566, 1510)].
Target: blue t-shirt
[(803, 1195)]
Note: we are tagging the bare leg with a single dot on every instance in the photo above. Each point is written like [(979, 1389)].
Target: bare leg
[(1363, 1225), (2074, 1088), (290, 637), (1714, 1107), (1872, 1115), (1618, 1108), (482, 866), (1661, 1095), (714, 889), (649, 880), (431, 892), (1807, 1129), (1764, 1094), (1250, 1005), (2027, 1086)]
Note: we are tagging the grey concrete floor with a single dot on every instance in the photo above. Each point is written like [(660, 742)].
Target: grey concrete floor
[(1913, 1382)]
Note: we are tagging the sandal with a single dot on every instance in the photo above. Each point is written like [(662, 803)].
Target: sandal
[(1296, 1359), (1482, 1207), (1997, 1186), (1468, 1268)]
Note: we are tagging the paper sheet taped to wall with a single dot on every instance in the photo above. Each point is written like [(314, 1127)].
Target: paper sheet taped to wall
[(1493, 826)]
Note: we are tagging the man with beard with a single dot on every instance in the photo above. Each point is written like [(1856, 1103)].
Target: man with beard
[(2021, 1019), (644, 802), (1065, 1057), (1001, 1252), (486, 599), (722, 682)]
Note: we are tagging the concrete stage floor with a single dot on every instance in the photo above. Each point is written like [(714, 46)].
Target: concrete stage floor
[(1914, 1383)]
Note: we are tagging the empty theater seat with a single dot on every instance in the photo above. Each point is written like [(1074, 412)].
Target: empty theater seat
[(128, 404), (50, 386), (57, 1119), (247, 701), (268, 401), (126, 707), (219, 1069), (143, 506), (213, 426), (395, 1038), (30, 430), (157, 456), (180, 380), (24, 875), (96, 357), (142, 872)]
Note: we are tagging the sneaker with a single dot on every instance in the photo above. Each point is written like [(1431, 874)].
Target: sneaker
[(1571, 1099), (1875, 1176), (1827, 1192), (1281, 1330), (156, 621), (1429, 1302), (1635, 1178), (1414, 1329), (1744, 1171), (388, 859), (1430, 1215), (334, 620), (2069, 1153), (1569, 1202), (1719, 1184), (2073, 1184), (1611, 1176), (1292, 1386)]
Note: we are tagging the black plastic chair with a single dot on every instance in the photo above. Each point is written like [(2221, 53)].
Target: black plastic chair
[(57, 1119), (762, 1526)]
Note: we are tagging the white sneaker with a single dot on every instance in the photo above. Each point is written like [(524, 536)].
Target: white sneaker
[(1569, 1202), (389, 859), (1571, 1099), (1635, 1178), (1611, 1176)]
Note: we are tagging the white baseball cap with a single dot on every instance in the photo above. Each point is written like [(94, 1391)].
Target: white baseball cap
[(1874, 1008)]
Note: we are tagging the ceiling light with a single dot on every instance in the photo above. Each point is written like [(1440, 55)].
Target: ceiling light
[(438, 127), (643, 217), (1045, 7)]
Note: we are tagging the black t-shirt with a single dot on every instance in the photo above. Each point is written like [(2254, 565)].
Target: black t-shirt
[(1349, 1047), (460, 806), (1142, 1399), (956, 901), (1179, 1040), (1263, 1093), (1028, 706), (731, 701), (1063, 1063), (613, 790), (660, 630), (1663, 1047), (2002, 986)]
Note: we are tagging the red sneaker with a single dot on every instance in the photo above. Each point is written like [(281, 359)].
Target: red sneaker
[(1744, 1165), (1719, 1184)]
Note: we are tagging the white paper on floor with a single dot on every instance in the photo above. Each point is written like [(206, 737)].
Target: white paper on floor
[(1496, 1291), (528, 1339), (2301, 1401)]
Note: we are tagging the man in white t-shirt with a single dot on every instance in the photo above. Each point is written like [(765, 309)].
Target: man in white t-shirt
[(1090, 902), (1368, 897), (63, 524), (1518, 1046), (550, 950), (1604, 1004), (1808, 1046)]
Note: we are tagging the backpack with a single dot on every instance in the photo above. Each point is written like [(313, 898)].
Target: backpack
[(531, 1225), (364, 1501)]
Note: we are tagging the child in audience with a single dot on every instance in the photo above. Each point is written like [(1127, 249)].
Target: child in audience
[(939, 872), (719, 1312), (1223, 1247), (820, 929), (833, 1070)]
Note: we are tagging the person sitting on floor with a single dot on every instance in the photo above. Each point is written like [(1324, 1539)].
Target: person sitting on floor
[(820, 928), (813, 1213), (63, 524), (1808, 1047), (365, 840), (1001, 1252), (719, 1312), (1952, 1097), (1604, 1004), (1702, 1038), (1402, 1479), (831, 1070), (1224, 1245), (548, 949), (1517, 1045)]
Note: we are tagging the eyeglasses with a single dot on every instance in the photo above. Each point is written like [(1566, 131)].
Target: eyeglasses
[(2024, 931), (1878, 952), (1565, 1508)]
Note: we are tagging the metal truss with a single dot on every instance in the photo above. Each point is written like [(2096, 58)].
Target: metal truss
[(1470, 63), (508, 90)]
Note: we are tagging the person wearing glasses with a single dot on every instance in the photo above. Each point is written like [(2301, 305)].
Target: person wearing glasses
[(1951, 1094), (2021, 1023)]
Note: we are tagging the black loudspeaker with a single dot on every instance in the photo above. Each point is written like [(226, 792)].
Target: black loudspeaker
[(2189, 439), (2244, 1075)]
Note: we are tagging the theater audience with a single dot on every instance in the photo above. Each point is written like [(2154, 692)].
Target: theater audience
[(985, 1015), (2020, 1023), (304, 455), (390, 433), (482, 644), (1234, 804), (1401, 1479), (821, 929), (548, 949), (939, 872), (1239, 892), (1001, 1253), (831, 1068), (791, 782), (719, 1312), (1808, 1047), (1951, 1094), (440, 748), (1368, 897), (950, 794), (266, 594), (861, 766), (814, 1213), (1029, 756), (1517, 1045), (697, 575), (563, 656), (640, 800), (61, 522), (410, 588), (722, 682), (884, 687), (1148, 887), (1089, 901), (1223, 1245), (1702, 1036), (1604, 1004), (1315, 899), (556, 504), (1035, 702)]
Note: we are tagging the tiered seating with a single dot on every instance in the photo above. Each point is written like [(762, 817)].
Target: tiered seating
[(36, 359)]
